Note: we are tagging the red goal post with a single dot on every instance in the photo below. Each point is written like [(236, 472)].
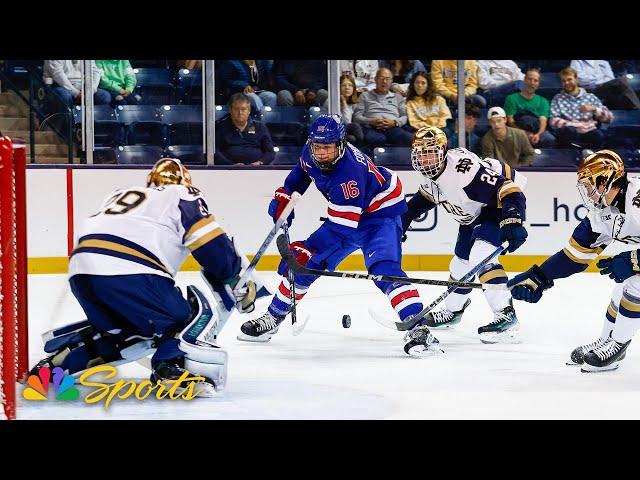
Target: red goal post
[(13, 272)]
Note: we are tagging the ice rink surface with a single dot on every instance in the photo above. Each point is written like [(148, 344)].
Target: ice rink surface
[(329, 372)]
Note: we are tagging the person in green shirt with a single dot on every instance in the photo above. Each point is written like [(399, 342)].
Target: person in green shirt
[(119, 79), (530, 112)]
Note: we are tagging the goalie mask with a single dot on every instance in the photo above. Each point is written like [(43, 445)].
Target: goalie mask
[(597, 174), (427, 151), (168, 171), (327, 142)]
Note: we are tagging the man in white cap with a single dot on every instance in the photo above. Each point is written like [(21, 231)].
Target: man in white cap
[(508, 144)]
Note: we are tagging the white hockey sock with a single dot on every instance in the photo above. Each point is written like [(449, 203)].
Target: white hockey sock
[(609, 320), (628, 318)]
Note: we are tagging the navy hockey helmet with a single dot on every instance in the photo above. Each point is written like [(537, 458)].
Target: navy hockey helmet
[(327, 130)]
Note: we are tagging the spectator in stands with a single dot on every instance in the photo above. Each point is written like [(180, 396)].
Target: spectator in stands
[(597, 77), (425, 108), (499, 78), (508, 144), (251, 77), (240, 140), (530, 112), (575, 114), (301, 82), (382, 113), (403, 71), (445, 77), (363, 71), (118, 78), (472, 141), (349, 98), (67, 76)]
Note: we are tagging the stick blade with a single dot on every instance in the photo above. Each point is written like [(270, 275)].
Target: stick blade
[(285, 253)]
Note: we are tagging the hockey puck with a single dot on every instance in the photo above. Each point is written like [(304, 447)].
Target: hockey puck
[(346, 321)]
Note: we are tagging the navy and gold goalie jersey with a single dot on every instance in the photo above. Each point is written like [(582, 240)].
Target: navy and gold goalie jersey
[(142, 230)]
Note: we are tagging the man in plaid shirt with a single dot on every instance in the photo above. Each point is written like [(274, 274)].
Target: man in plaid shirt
[(575, 114)]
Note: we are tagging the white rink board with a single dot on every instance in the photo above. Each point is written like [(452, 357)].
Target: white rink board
[(239, 200)]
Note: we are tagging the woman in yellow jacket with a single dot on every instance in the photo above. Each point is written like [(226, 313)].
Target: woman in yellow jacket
[(425, 108)]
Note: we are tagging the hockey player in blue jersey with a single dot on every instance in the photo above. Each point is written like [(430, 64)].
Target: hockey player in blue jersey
[(613, 203), (365, 203), (121, 272), (485, 197)]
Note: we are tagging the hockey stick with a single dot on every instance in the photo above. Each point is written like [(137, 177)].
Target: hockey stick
[(403, 326), (291, 278), (283, 248), (295, 196)]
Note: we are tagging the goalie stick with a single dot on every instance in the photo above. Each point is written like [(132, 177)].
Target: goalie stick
[(295, 196)]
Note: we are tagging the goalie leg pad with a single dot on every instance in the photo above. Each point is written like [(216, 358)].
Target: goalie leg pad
[(77, 352)]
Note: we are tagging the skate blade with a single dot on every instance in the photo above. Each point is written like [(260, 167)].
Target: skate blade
[(264, 338), (419, 351), (506, 337), (442, 327), (571, 363), (586, 368), (206, 390)]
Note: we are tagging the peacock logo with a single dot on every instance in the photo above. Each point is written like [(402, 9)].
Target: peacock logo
[(39, 385)]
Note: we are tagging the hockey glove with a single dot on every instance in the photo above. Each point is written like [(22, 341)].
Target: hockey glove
[(278, 204), (529, 285), (511, 229), (620, 267), (302, 254), (245, 296)]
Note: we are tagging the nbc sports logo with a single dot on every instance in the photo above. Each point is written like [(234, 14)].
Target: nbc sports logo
[(39, 385)]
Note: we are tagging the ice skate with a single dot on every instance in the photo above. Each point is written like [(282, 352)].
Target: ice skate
[(503, 329), (420, 342), (605, 357), (445, 318), (577, 355), (260, 329)]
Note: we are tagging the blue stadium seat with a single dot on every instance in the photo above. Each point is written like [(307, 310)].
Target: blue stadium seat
[(182, 124), (634, 82), (104, 155), (221, 111), (155, 86), (392, 156), (107, 128), (188, 154), (312, 114), (624, 129), (142, 124), (286, 155), (138, 154), (556, 157), (190, 86), (549, 85), (287, 125), (631, 157), (149, 63)]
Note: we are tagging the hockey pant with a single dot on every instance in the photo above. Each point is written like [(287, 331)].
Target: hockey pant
[(121, 307), (380, 241)]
